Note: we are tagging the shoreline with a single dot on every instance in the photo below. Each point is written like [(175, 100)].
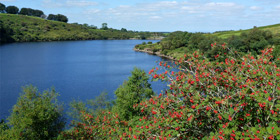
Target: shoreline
[(2, 43), (155, 53)]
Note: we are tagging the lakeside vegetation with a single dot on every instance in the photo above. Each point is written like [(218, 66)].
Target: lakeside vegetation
[(237, 98), (274, 29), (217, 90), (224, 85), (178, 43)]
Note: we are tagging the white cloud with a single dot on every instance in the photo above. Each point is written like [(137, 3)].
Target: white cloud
[(82, 3), (67, 3), (8, 0), (155, 17), (204, 15), (256, 8), (92, 11)]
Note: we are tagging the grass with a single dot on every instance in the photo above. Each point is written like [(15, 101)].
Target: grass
[(275, 29), (29, 28)]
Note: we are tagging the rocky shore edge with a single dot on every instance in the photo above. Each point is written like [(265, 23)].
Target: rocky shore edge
[(154, 53)]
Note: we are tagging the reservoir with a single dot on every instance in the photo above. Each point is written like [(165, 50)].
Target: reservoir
[(77, 69)]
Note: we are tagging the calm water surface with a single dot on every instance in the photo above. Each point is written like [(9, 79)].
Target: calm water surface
[(77, 69)]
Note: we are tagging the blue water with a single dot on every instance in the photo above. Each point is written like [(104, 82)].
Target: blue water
[(77, 69)]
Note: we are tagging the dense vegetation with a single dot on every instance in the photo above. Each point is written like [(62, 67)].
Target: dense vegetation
[(177, 43), (232, 96), (20, 28), (219, 88), (28, 24), (237, 98), (31, 12), (35, 116)]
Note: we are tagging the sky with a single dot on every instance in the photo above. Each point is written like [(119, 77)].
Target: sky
[(162, 15)]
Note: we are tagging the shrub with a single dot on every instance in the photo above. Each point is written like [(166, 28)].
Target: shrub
[(233, 99), (36, 115), (12, 10)]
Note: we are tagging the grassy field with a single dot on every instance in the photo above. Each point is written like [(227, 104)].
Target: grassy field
[(23, 28), (275, 29)]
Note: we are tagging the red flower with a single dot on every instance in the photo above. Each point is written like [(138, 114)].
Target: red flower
[(219, 117), (218, 102), (229, 118)]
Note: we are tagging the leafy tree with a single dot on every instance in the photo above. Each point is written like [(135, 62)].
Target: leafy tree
[(12, 10), (5, 33), (62, 18), (92, 106), (36, 115), (2, 8), (37, 13), (52, 17), (104, 26), (4, 129), (24, 11), (132, 92), (31, 12), (123, 30)]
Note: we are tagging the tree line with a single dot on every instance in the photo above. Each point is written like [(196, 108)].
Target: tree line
[(32, 12)]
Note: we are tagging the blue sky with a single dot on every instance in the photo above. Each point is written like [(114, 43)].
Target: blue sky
[(158, 15)]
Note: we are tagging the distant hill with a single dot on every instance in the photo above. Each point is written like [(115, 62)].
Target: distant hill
[(21, 28), (275, 29)]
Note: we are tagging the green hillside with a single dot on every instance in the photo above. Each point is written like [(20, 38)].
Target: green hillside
[(21, 28), (275, 29), (251, 40)]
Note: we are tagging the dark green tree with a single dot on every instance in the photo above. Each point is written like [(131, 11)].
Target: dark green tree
[(12, 10), (23, 11), (52, 17), (5, 33), (37, 13), (104, 26), (132, 92), (2, 8), (36, 115), (123, 30), (62, 18)]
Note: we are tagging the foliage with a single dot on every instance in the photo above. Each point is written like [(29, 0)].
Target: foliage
[(36, 116), (104, 26), (12, 10), (92, 106), (2, 8), (226, 34), (58, 17), (250, 41), (238, 98), (31, 12), (132, 92), (28, 28), (5, 34)]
